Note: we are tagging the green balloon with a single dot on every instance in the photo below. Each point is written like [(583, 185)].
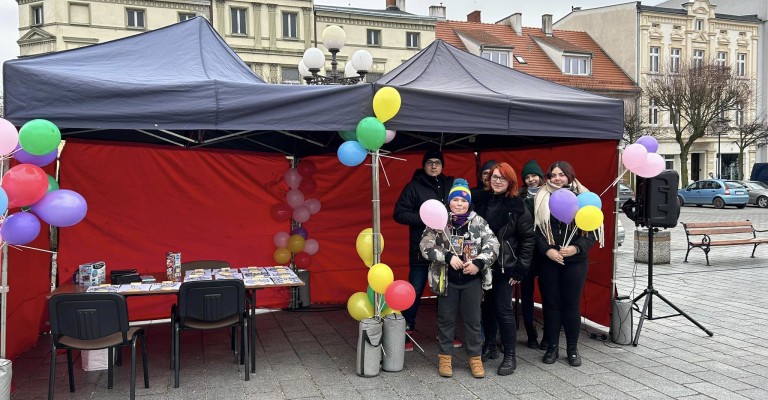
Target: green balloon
[(371, 293), (348, 135), (52, 184), (371, 133), (39, 136)]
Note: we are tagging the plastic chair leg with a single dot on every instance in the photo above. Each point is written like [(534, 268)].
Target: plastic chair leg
[(110, 372), (52, 376), (70, 372), (144, 359), (133, 368)]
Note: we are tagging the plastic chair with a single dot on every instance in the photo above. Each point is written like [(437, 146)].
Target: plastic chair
[(209, 305), (93, 321)]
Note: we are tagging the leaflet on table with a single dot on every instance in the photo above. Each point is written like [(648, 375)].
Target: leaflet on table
[(142, 287), (199, 271), (280, 271), (284, 280), (228, 275), (104, 289), (193, 278), (258, 281), (254, 271), (166, 285)]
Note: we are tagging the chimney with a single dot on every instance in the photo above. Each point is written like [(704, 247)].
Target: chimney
[(391, 4), (546, 24), (474, 16), (437, 12), (516, 22), (573, 8), (400, 5)]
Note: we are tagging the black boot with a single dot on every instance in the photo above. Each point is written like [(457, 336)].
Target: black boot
[(574, 359), (509, 363), (490, 351), (551, 355), (533, 343)]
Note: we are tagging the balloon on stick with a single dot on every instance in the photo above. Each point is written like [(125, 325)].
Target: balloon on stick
[(39, 136), (20, 228), (371, 133), (386, 103), (589, 199), (649, 142), (281, 239), (563, 205), (351, 153), (61, 208), (589, 218), (25, 184), (653, 166), (380, 276), (359, 307), (434, 214), (633, 156), (364, 245), (9, 138)]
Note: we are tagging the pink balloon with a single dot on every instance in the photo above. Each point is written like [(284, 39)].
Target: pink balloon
[(653, 166), (433, 214), (301, 215), (281, 239), (313, 205), (311, 247), (399, 295), (634, 156), (390, 135), (292, 178), (9, 137), (294, 198)]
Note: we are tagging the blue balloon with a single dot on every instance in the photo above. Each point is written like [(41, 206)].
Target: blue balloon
[(589, 199), (20, 228), (351, 153), (3, 201)]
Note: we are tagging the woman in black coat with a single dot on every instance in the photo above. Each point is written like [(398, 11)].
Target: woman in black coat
[(512, 224)]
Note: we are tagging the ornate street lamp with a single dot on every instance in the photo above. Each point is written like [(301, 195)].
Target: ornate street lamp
[(722, 124), (314, 60)]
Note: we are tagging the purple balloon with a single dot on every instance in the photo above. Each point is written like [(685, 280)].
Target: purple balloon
[(300, 231), (25, 158), (20, 228), (563, 204), (61, 208), (649, 142)]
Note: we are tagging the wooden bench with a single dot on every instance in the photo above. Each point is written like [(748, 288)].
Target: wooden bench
[(699, 234)]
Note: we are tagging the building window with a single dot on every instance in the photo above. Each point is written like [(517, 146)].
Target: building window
[(654, 61), (412, 39), (373, 37), (576, 65), (186, 16), (672, 119), (37, 15), (722, 59), (239, 21), (291, 76), (739, 114), (499, 57), (698, 58), (674, 61), (699, 24), (135, 19), (290, 27), (741, 64), (669, 161), (653, 113)]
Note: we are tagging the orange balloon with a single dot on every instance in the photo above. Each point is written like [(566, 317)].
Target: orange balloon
[(296, 243), (282, 256)]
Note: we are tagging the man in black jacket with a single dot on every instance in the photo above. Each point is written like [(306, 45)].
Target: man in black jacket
[(427, 183)]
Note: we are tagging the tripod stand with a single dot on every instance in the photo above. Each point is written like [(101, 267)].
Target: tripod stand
[(649, 292)]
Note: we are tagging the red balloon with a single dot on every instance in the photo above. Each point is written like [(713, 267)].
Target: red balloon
[(306, 168), (282, 212), (307, 186), (25, 184), (302, 260), (400, 295)]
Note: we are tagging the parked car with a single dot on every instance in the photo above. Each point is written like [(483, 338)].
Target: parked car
[(625, 193), (758, 192), (718, 192)]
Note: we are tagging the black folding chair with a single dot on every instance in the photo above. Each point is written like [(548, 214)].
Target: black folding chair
[(209, 305), (93, 321)]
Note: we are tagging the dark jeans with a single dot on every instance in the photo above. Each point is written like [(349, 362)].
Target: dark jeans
[(561, 287), (464, 298), (499, 313), (418, 278), (526, 298)]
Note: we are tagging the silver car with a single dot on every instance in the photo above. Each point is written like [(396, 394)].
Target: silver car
[(758, 193)]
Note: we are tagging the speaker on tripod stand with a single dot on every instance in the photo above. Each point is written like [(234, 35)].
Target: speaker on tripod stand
[(656, 206)]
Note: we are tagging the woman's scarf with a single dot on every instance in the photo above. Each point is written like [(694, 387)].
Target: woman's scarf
[(459, 219), (541, 210)]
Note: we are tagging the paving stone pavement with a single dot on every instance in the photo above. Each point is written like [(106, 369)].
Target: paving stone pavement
[(311, 353)]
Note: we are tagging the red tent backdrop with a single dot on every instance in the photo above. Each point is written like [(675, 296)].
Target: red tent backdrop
[(208, 204)]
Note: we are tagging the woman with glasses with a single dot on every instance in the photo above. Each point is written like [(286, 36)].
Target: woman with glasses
[(563, 268), (512, 224)]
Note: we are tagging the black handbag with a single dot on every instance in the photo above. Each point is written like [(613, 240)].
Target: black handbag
[(123, 276)]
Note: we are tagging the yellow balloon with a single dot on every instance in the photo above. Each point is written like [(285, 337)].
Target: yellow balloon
[(379, 277), (282, 255), (386, 311), (386, 103), (364, 245), (589, 218), (359, 307), (296, 243)]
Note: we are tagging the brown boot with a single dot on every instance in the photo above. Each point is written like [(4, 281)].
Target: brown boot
[(476, 365), (445, 367)]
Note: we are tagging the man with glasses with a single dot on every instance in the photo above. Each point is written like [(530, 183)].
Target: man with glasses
[(427, 183), (483, 184)]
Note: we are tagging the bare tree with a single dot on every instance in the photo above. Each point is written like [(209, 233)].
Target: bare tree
[(695, 97), (755, 132)]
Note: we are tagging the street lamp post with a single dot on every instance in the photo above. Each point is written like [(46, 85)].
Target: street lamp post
[(313, 61), (723, 125)]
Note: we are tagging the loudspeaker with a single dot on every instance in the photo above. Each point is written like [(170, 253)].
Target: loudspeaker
[(656, 199)]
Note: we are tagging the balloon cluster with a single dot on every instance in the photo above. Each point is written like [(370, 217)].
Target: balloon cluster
[(26, 185), (370, 133), (397, 295), (585, 209), (641, 158), (295, 244)]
